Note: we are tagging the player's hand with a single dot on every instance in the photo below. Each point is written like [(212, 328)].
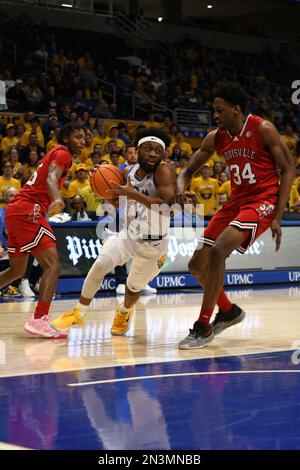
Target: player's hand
[(183, 181), (118, 190), (56, 206), (276, 233), (1, 252)]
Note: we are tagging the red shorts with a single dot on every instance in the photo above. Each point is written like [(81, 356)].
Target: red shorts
[(27, 234), (253, 217)]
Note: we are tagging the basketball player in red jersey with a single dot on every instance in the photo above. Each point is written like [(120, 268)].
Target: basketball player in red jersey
[(29, 232), (253, 149)]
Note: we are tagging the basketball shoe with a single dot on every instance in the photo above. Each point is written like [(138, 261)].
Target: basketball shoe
[(121, 322), (68, 319), (42, 327), (224, 320), (200, 335)]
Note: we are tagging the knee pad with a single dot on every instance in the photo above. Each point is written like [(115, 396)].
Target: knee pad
[(134, 286), (102, 266)]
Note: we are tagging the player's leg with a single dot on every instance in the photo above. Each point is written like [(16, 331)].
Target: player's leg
[(16, 269), (115, 252), (147, 262), (198, 264), (202, 332), (39, 324), (49, 262)]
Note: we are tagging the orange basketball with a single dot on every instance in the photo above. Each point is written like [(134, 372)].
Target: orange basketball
[(101, 178)]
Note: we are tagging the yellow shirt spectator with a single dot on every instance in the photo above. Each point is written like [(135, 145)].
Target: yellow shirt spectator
[(101, 140), (218, 158), (294, 200), (51, 144), (6, 183), (108, 159), (39, 134), (225, 188), (92, 201), (291, 140), (206, 190), (8, 142), (76, 186), (86, 152), (183, 145), (80, 182)]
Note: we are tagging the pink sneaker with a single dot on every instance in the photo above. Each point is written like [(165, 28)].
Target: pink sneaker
[(42, 327)]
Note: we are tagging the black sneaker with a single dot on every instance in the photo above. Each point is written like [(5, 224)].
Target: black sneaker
[(224, 320), (198, 337)]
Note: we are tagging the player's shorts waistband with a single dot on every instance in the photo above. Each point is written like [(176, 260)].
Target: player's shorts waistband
[(154, 237)]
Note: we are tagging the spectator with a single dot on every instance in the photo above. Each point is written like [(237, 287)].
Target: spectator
[(33, 94), (6, 181), (11, 140), (78, 205), (16, 98), (33, 145), (131, 156), (179, 140), (30, 166), (81, 181), (206, 188)]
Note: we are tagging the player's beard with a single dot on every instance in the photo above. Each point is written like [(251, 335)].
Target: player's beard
[(148, 168)]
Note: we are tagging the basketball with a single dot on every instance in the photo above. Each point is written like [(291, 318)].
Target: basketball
[(101, 180)]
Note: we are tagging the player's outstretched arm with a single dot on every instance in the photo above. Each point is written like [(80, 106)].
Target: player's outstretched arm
[(201, 156), (54, 173), (282, 156)]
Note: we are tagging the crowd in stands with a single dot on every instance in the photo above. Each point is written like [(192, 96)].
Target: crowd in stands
[(71, 89), (25, 140)]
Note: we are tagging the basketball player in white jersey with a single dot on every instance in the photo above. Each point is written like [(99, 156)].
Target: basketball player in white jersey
[(144, 238)]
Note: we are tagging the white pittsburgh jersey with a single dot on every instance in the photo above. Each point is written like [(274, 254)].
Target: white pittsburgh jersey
[(142, 222)]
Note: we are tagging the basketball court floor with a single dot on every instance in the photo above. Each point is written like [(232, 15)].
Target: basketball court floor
[(94, 391)]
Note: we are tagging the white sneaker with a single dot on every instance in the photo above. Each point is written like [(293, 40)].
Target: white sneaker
[(149, 290), (120, 289), (42, 327), (25, 289), (36, 286)]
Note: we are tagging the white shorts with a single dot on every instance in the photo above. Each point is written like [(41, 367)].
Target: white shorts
[(147, 258)]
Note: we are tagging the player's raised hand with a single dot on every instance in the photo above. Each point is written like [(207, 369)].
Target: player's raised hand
[(276, 233)]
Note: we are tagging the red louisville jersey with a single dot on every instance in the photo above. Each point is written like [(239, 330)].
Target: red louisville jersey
[(252, 167), (35, 190)]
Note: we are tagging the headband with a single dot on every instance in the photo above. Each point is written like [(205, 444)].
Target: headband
[(151, 138)]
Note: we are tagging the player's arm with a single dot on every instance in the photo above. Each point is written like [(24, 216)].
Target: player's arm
[(54, 173), (283, 158), (201, 156), (165, 179)]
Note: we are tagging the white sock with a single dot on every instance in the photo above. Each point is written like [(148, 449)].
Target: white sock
[(82, 308), (124, 309)]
